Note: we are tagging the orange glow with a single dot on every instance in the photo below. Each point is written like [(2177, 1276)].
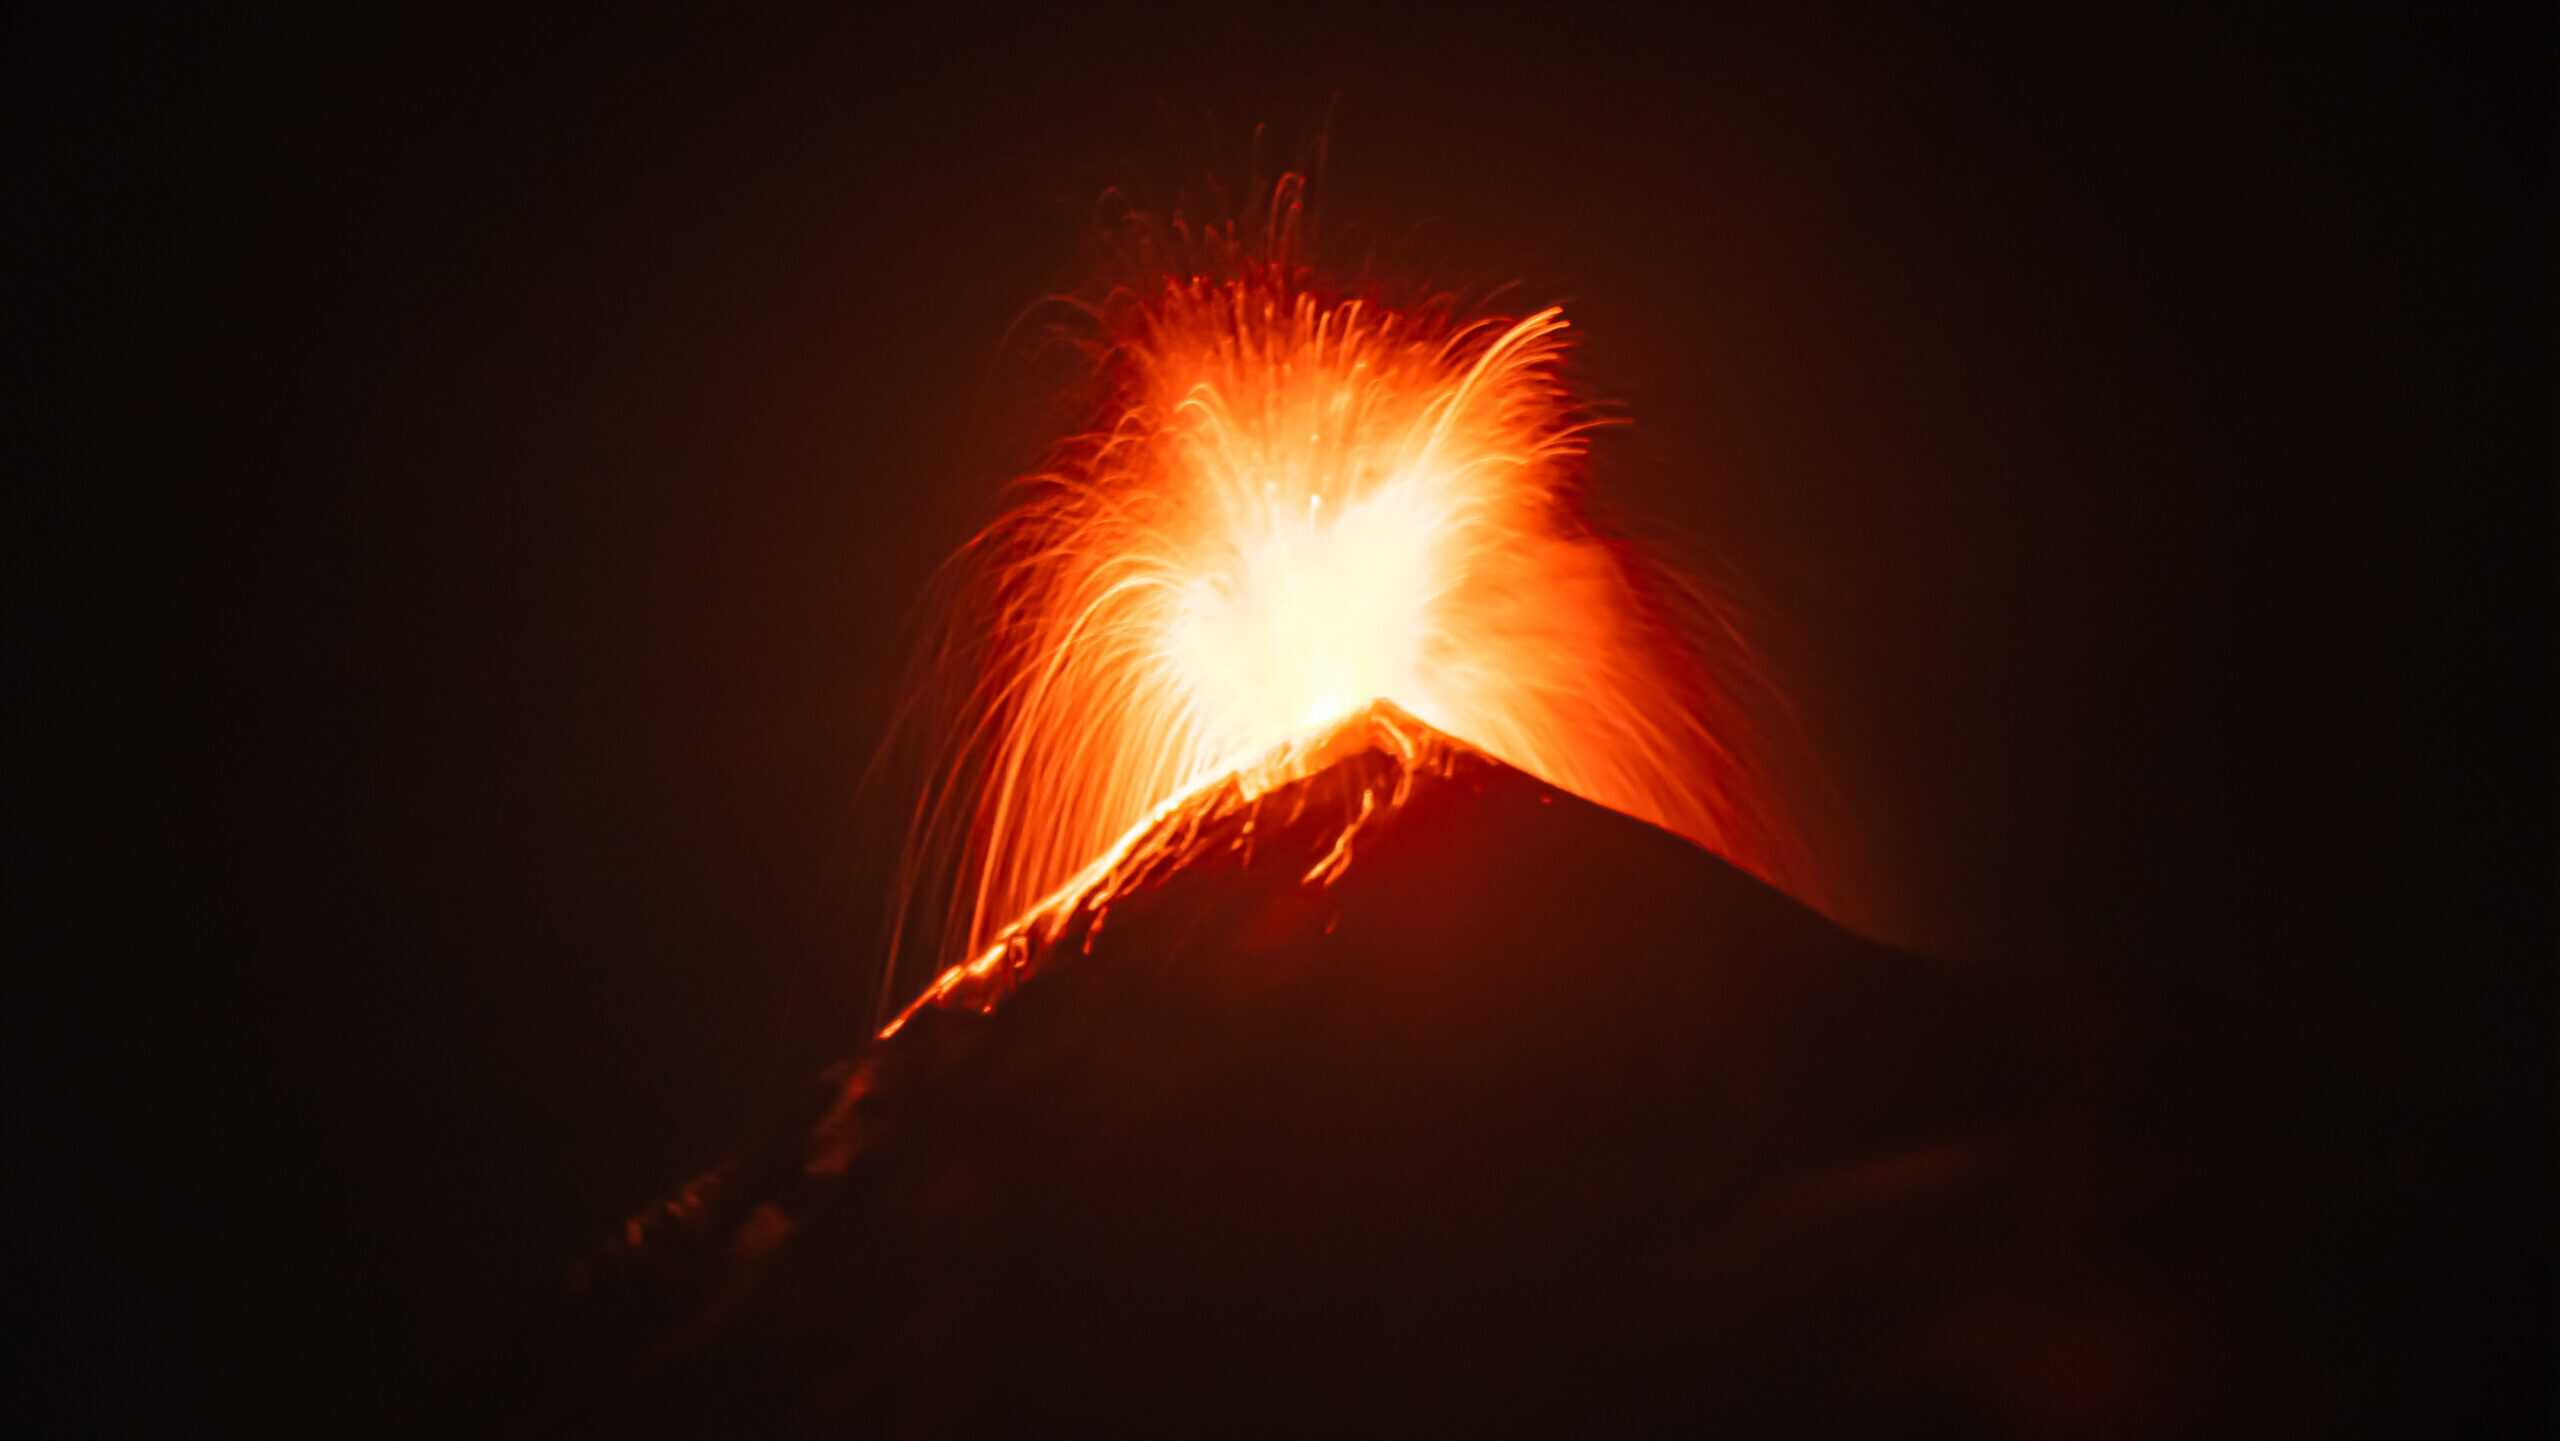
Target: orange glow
[(1303, 501)]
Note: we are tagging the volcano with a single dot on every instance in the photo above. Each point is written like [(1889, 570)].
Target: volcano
[(1416, 1094)]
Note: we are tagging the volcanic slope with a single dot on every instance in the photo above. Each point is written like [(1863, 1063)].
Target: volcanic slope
[(1416, 1095)]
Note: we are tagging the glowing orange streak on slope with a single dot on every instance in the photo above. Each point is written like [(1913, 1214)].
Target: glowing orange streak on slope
[(1093, 889)]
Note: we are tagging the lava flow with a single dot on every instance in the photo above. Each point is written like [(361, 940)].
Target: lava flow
[(1301, 501)]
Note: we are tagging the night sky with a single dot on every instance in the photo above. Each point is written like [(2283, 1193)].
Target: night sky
[(476, 480)]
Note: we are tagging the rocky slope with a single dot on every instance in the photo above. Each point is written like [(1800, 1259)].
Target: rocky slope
[(1416, 1096)]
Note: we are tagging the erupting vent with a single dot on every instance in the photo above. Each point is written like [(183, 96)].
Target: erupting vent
[(1300, 502)]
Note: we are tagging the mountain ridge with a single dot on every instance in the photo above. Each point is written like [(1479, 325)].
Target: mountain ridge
[(1414, 1093)]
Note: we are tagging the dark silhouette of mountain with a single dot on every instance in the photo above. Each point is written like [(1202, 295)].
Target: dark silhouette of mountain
[(1416, 1096)]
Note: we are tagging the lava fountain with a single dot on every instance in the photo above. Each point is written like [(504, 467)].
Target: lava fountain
[(1300, 500)]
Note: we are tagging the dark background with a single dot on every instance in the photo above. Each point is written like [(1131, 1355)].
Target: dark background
[(474, 480)]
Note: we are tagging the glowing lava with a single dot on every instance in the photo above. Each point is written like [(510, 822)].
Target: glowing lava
[(1303, 501)]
